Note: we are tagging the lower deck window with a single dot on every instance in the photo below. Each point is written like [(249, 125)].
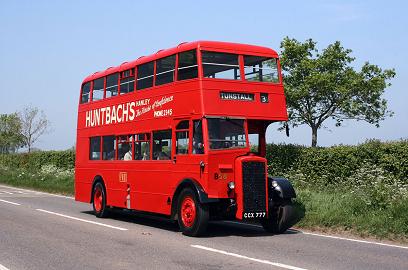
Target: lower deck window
[(125, 147), (95, 148), (162, 145), (142, 147), (109, 147)]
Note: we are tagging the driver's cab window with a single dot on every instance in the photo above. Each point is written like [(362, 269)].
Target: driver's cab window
[(162, 145), (182, 139), (198, 142)]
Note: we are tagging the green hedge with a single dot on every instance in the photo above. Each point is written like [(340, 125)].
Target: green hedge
[(319, 167), (333, 166), (35, 160)]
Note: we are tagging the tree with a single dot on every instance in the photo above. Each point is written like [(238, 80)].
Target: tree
[(321, 86), (10, 133), (34, 125)]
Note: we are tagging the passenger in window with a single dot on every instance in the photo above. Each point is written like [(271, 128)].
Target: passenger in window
[(162, 156), (128, 154), (198, 147), (145, 156)]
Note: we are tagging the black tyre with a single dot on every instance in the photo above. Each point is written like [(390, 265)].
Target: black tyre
[(280, 218), (192, 215), (99, 200)]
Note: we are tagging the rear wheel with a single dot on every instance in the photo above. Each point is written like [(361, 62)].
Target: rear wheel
[(192, 215), (280, 218), (99, 200)]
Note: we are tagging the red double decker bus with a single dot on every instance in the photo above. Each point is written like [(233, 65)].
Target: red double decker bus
[(181, 133)]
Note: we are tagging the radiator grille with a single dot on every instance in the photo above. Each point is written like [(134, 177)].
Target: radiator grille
[(254, 186)]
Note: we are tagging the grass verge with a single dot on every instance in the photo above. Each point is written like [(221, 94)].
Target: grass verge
[(348, 212), (49, 180)]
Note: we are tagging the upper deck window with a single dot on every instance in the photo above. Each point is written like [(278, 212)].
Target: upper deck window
[(261, 69), (165, 70), (220, 65), (127, 81), (187, 65), (145, 74), (112, 85), (86, 90), (97, 92)]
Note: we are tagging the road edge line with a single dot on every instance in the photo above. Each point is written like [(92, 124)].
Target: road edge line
[(41, 192), (13, 203), (2, 267), (327, 236)]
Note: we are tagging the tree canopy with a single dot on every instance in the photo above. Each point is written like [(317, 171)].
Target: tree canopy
[(22, 129), (10, 133), (34, 124), (324, 85)]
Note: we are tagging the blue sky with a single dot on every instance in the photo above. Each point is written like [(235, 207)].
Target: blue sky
[(48, 47)]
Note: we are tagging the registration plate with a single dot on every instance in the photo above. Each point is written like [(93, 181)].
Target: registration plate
[(255, 215)]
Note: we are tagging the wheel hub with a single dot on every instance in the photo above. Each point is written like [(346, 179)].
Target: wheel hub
[(98, 199), (188, 212)]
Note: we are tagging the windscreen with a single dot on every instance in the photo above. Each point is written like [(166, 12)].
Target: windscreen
[(226, 133)]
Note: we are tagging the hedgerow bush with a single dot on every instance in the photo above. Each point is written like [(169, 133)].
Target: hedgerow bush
[(337, 166), (362, 189), (51, 171), (35, 160)]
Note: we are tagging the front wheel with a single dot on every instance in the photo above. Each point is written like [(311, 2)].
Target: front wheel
[(280, 218), (192, 215), (99, 200)]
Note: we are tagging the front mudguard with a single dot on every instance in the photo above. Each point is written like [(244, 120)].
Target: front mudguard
[(282, 213), (280, 189)]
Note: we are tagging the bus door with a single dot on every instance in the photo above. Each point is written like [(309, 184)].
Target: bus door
[(189, 149)]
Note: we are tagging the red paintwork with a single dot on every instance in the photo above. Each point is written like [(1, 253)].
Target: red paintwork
[(153, 182)]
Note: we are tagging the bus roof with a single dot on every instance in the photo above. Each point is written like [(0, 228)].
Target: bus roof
[(185, 46)]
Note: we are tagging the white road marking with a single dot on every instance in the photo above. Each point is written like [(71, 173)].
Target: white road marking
[(7, 192), (36, 192), (329, 236), (83, 220), (10, 202), (353, 240), (248, 258), (2, 267)]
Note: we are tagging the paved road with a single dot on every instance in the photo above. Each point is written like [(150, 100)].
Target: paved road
[(44, 231)]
